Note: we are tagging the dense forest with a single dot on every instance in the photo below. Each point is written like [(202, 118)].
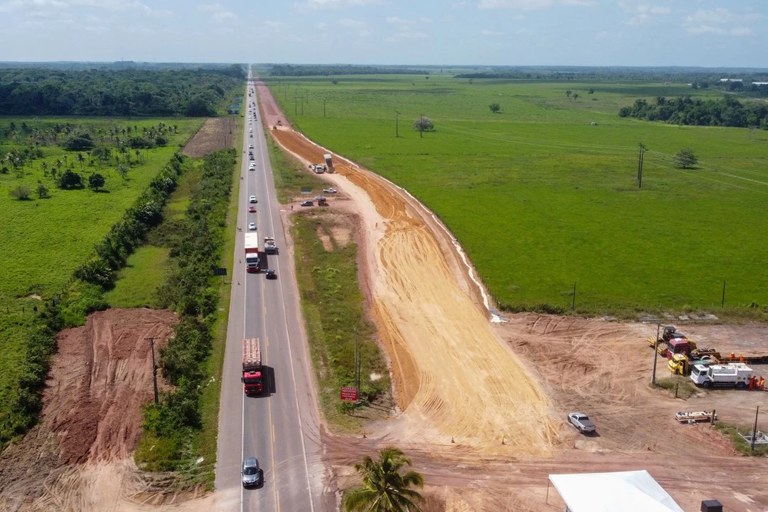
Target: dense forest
[(109, 92), (684, 110)]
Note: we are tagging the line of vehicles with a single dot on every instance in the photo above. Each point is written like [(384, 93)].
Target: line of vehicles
[(706, 367)]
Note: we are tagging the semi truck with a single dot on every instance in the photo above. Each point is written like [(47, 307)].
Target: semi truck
[(731, 375), (252, 260), (270, 247), (253, 382)]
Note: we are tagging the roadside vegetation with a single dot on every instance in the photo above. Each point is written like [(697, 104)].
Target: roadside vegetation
[(544, 193), (333, 306), (173, 431)]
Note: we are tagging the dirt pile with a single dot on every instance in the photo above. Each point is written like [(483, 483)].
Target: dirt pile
[(98, 382)]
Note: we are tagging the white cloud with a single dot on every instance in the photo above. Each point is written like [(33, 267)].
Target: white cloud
[(644, 14), (407, 36), (394, 20), (219, 13), (336, 4), (721, 21), (531, 5)]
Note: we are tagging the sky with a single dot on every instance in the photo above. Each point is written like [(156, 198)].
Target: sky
[(702, 33)]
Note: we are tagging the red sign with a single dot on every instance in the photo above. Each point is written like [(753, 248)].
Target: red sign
[(349, 393)]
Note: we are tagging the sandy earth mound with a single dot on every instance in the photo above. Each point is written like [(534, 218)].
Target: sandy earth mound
[(455, 380)]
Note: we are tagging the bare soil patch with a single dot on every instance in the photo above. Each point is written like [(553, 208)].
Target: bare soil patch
[(98, 382), (217, 133)]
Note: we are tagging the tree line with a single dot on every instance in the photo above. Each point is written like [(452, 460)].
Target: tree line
[(329, 70), (684, 110), (104, 92)]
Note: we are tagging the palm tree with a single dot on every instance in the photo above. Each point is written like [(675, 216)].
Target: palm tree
[(384, 488)]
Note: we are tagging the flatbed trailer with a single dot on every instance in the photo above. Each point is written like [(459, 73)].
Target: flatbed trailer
[(696, 416)]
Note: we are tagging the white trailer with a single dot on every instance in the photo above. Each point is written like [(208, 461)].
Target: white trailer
[(722, 375)]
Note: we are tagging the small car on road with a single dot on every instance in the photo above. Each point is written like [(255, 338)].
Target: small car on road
[(582, 422), (271, 274), (252, 474), (252, 199), (251, 226), (330, 190), (251, 209), (307, 203)]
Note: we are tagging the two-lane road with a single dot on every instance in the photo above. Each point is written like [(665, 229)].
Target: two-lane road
[(280, 427)]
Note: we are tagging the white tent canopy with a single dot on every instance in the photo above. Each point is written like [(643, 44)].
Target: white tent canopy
[(628, 491)]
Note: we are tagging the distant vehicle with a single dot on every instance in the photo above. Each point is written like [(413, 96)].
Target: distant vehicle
[(271, 274), (250, 146), (251, 226), (251, 158), (253, 475), (307, 203), (582, 422), (252, 199), (270, 246), (330, 190), (252, 256), (251, 209)]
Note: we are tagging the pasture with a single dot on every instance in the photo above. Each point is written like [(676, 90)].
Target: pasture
[(46, 238), (544, 196)]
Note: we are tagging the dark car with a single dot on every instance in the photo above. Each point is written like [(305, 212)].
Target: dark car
[(271, 274), (307, 203), (252, 474), (251, 209)]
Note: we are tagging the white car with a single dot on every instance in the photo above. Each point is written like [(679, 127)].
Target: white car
[(252, 199), (251, 226), (582, 422), (252, 167), (330, 190)]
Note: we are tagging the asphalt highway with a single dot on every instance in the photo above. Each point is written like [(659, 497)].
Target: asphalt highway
[(281, 426)]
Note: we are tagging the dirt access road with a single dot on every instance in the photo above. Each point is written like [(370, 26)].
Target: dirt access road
[(482, 404)]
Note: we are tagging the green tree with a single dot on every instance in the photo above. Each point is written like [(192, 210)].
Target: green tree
[(685, 159), (42, 191), (20, 192), (69, 180), (495, 108), (385, 488), (423, 124), (96, 181)]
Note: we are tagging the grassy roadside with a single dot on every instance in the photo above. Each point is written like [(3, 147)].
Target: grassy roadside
[(332, 303), (543, 195)]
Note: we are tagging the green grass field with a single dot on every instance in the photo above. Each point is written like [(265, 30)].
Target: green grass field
[(45, 240), (544, 194)]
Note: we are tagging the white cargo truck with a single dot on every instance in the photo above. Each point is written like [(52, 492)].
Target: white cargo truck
[(731, 375)]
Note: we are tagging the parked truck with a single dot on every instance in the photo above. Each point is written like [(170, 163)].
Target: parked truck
[(253, 382), (328, 162), (252, 259), (731, 375), (270, 247)]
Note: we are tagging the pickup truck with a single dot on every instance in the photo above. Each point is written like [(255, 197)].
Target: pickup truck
[(582, 422)]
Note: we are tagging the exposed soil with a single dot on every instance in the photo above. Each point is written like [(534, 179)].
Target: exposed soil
[(217, 133), (99, 380), (482, 404)]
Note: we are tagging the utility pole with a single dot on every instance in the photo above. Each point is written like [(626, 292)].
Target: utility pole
[(324, 101), (154, 367), (640, 166), (421, 126), (754, 428), (397, 123), (655, 353)]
